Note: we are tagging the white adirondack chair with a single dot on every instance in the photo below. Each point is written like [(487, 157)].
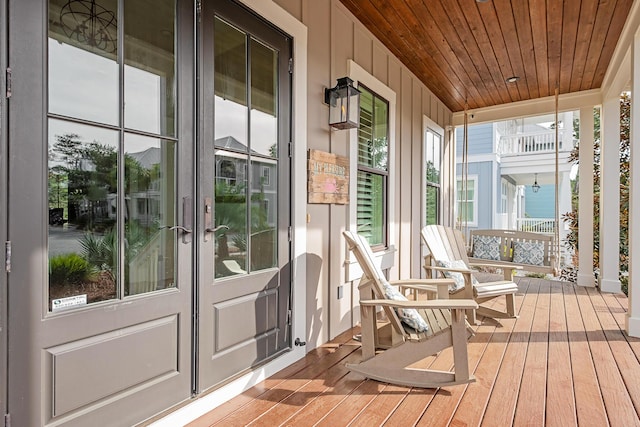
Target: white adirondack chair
[(444, 320), (447, 245)]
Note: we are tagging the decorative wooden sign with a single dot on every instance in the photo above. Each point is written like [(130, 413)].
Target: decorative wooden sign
[(328, 178)]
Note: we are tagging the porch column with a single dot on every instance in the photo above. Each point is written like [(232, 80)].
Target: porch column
[(633, 315), (610, 195), (564, 206), (585, 199)]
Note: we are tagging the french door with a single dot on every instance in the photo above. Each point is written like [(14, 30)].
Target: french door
[(147, 205), (100, 210), (243, 299)]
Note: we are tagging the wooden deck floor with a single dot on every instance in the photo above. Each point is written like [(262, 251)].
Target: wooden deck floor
[(564, 362)]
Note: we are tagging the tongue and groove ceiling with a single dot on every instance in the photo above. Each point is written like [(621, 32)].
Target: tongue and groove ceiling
[(464, 50)]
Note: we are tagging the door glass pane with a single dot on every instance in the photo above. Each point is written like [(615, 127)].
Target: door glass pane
[(230, 214), (149, 72), (231, 113), (83, 68), (264, 87), (82, 193), (264, 215), (150, 209)]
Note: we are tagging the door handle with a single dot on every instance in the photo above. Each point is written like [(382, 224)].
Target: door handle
[(176, 227), (187, 215), (214, 229), (181, 228)]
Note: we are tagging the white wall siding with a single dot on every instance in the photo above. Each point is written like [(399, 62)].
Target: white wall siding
[(335, 36)]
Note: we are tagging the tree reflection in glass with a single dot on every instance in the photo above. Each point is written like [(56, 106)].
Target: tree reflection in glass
[(82, 212)]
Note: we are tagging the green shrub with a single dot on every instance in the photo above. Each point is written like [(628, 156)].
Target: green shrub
[(99, 251), (70, 269)]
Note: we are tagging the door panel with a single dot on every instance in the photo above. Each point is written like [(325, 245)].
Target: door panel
[(245, 286), (78, 368), (101, 296)]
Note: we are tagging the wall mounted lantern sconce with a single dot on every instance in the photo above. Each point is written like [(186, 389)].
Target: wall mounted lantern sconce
[(535, 187), (344, 104)]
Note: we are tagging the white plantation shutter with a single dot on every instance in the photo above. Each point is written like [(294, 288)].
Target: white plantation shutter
[(372, 167)]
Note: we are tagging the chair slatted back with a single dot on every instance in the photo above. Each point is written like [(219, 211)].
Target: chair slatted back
[(445, 243), (371, 285)]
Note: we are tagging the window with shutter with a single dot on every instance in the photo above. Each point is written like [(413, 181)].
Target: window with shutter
[(373, 170)]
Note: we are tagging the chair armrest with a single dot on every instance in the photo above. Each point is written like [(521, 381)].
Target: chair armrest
[(456, 270), (451, 304), (436, 282), (495, 265), (438, 286)]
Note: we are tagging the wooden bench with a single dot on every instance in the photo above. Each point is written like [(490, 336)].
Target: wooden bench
[(507, 245)]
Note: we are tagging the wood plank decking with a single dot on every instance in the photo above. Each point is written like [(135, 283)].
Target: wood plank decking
[(565, 361)]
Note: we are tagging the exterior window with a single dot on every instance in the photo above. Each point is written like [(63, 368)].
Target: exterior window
[(266, 176), (111, 169), (467, 207), (227, 172), (504, 197), (433, 169), (373, 169)]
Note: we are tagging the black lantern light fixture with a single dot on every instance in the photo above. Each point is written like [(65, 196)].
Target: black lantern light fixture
[(344, 104), (535, 187)]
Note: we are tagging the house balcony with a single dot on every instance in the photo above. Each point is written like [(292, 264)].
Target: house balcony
[(523, 155), (534, 142), (564, 361)]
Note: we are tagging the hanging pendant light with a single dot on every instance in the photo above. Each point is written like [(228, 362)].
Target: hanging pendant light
[(90, 23), (535, 187)]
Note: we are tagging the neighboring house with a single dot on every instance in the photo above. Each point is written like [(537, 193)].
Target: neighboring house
[(507, 161)]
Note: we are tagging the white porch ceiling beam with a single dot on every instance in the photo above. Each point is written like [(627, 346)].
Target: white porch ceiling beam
[(619, 71), (535, 107)]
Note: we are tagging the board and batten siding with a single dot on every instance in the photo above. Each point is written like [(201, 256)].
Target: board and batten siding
[(334, 37)]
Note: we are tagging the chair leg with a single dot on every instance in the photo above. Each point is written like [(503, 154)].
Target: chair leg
[(459, 338), (472, 317), (511, 305)]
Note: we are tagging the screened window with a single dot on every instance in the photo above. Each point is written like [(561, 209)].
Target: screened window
[(467, 204), (433, 166), (373, 168)]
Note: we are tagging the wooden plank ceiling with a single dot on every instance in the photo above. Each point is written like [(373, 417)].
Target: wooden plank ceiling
[(464, 50)]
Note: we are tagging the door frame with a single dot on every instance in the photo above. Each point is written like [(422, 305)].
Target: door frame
[(3, 209), (279, 17)]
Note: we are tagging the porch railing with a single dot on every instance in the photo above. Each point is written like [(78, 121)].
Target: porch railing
[(539, 142), (537, 225)]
